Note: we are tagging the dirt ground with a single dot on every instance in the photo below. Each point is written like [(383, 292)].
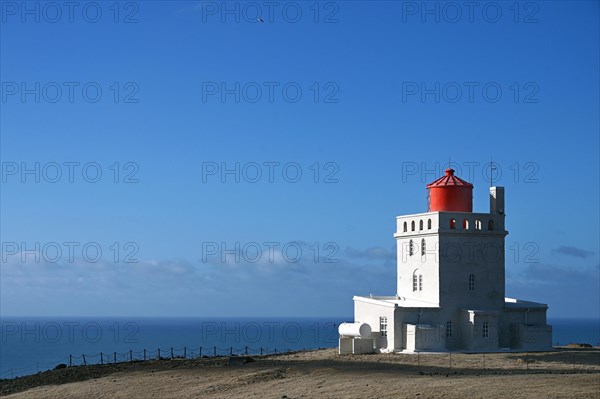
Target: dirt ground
[(325, 374)]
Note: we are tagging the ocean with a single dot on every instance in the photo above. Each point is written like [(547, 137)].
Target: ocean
[(29, 345)]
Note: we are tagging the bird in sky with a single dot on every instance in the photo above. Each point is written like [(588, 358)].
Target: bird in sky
[(260, 19)]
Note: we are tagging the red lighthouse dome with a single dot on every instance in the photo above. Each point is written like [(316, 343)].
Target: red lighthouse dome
[(450, 193)]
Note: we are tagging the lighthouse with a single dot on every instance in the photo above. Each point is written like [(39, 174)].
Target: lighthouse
[(450, 284)]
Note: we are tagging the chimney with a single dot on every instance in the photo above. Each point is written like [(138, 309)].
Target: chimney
[(497, 200)]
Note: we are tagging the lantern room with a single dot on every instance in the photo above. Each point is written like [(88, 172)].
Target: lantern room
[(450, 193)]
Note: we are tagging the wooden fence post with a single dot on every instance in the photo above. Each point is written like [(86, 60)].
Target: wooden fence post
[(115, 357), (144, 354), (130, 356), (158, 353), (185, 352), (70, 360), (101, 358), (84, 362)]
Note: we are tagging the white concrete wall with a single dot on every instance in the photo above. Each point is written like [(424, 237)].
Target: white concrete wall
[(483, 256), (370, 313), (424, 337), (418, 264), (450, 256), (525, 329), (345, 346), (453, 252)]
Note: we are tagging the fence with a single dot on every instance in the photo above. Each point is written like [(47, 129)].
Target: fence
[(565, 359), (140, 356)]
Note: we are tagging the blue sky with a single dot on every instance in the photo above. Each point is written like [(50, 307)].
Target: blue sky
[(389, 93)]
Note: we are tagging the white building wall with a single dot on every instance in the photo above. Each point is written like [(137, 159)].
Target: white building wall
[(457, 245), (371, 312), (420, 266)]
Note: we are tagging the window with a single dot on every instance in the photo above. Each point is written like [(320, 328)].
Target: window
[(429, 224), (486, 329), (477, 224), (449, 329), (420, 282), (420, 225), (405, 227), (452, 223), (491, 225), (383, 326), (412, 225), (423, 247), (471, 282), (411, 248), (465, 224), (415, 282)]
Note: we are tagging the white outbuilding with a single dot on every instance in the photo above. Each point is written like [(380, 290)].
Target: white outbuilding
[(450, 284)]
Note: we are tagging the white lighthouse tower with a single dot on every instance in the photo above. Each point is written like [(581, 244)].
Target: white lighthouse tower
[(450, 284)]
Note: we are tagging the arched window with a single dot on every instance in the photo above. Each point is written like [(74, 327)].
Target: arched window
[(423, 247), (411, 248), (405, 227), (420, 225), (465, 224), (417, 281), (429, 224), (449, 329), (471, 282), (491, 225), (477, 224), (412, 225), (452, 223)]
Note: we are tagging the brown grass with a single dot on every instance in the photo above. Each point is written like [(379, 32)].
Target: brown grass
[(567, 373)]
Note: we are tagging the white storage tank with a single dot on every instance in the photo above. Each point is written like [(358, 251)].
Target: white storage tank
[(355, 330)]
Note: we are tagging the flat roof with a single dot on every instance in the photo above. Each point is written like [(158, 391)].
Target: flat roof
[(401, 302), (519, 303), (394, 301)]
